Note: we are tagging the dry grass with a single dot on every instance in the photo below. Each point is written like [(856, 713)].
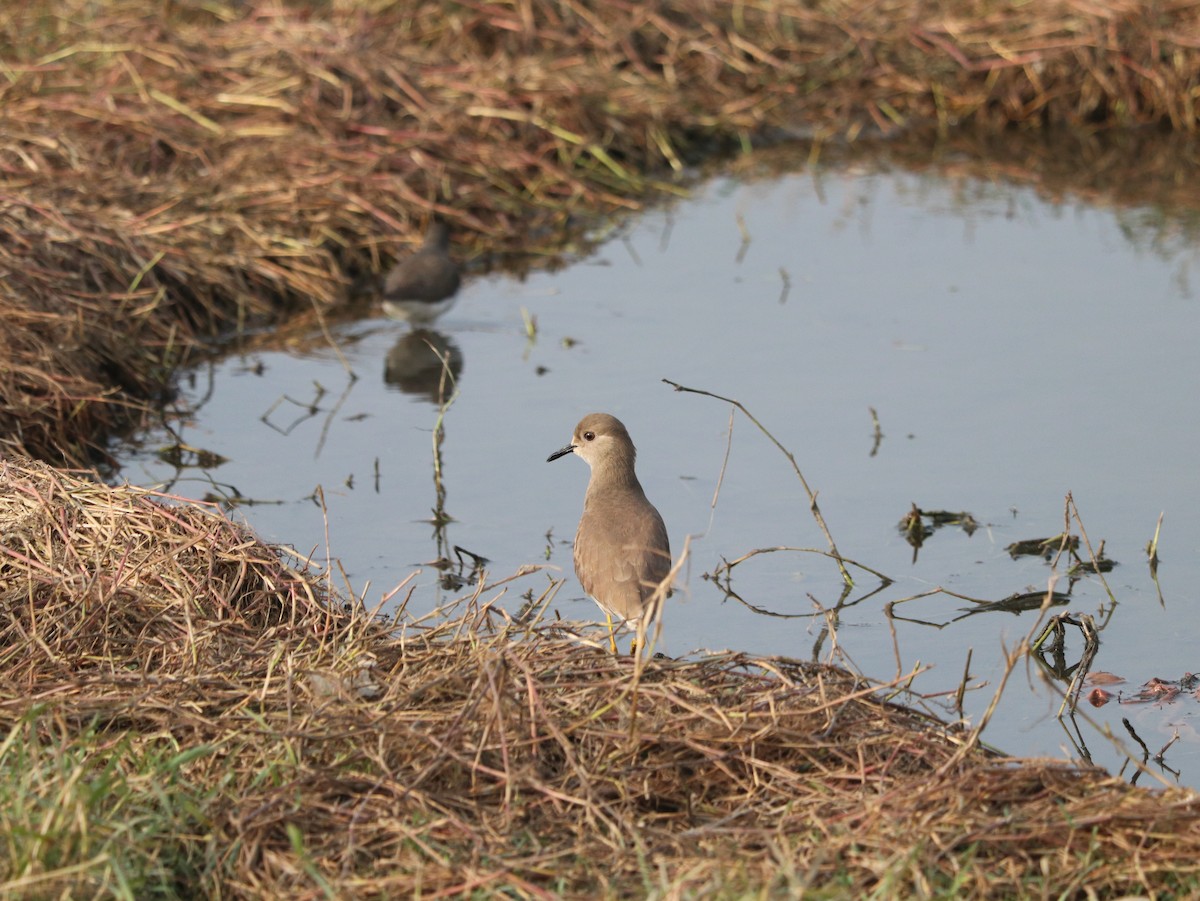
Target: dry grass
[(186, 714), (176, 171)]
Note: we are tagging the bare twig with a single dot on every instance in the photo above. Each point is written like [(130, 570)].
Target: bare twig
[(812, 497)]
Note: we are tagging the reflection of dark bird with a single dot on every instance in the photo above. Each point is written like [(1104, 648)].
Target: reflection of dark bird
[(414, 364), (422, 287), (621, 548)]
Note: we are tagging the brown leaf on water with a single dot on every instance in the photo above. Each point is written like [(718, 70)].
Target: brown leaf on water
[(1159, 691), (1100, 677)]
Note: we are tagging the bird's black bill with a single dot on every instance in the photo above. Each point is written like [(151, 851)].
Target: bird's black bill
[(560, 453)]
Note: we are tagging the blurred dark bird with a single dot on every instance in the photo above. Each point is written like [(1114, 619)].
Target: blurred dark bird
[(422, 287)]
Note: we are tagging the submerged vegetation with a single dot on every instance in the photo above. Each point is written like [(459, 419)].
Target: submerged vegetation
[(187, 712)]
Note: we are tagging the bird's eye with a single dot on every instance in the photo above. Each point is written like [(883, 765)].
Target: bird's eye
[(589, 436)]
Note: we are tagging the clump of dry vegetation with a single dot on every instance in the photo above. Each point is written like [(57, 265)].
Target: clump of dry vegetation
[(178, 171), (187, 714)]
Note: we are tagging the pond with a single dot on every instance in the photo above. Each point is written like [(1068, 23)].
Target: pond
[(943, 338)]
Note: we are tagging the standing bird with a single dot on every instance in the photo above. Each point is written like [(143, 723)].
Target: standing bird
[(621, 549), (422, 286)]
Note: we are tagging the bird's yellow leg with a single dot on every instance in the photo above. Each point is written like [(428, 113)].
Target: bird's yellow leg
[(612, 638)]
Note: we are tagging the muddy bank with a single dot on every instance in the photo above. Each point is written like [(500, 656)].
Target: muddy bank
[(177, 173)]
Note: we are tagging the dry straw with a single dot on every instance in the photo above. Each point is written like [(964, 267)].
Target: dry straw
[(292, 747)]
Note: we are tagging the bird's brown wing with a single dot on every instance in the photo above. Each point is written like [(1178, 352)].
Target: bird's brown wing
[(617, 564), (423, 276)]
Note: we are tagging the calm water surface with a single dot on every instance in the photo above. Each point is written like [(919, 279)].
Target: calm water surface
[(1013, 351)]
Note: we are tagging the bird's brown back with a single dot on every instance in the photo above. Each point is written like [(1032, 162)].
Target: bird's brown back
[(427, 275)]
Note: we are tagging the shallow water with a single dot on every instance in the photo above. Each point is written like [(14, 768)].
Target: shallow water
[(1013, 350)]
